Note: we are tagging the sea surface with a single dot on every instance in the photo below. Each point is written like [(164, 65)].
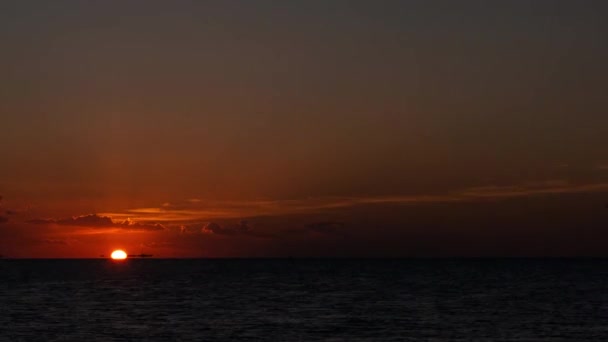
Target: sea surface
[(304, 300)]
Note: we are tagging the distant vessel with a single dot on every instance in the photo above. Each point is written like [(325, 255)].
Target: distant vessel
[(142, 255)]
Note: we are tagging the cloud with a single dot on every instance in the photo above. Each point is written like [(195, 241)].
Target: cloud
[(188, 211), (242, 228), (193, 228), (158, 244), (4, 219), (92, 220), (54, 241), (528, 189), (96, 221), (214, 228), (128, 224)]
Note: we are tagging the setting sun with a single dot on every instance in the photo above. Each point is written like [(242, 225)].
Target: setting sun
[(119, 255)]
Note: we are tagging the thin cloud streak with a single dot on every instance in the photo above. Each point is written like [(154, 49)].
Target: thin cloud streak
[(208, 210), (98, 221), (197, 215)]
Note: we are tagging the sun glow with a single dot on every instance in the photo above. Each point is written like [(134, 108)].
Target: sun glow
[(119, 255)]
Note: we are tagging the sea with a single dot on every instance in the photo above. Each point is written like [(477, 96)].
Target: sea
[(304, 300)]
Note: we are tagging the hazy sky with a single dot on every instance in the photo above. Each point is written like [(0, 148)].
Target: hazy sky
[(304, 128)]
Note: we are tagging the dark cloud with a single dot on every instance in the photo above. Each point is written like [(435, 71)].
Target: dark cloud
[(97, 221), (140, 226), (242, 228), (158, 244), (215, 228), (4, 219), (191, 228), (87, 221)]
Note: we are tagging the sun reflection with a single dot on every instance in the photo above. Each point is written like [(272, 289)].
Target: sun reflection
[(119, 254)]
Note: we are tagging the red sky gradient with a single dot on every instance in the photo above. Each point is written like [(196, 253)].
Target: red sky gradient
[(346, 128)]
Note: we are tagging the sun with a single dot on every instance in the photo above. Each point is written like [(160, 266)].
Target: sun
[(119, 254)]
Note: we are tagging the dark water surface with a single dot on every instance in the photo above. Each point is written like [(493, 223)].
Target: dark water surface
[(304, 300)]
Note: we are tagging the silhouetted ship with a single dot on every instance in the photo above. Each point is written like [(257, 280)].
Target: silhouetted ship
[(142, 255)]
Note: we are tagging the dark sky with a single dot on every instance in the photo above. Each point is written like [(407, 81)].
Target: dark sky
[(305, 128)]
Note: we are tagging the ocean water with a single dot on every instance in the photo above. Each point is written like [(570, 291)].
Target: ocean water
[(304, 300)]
